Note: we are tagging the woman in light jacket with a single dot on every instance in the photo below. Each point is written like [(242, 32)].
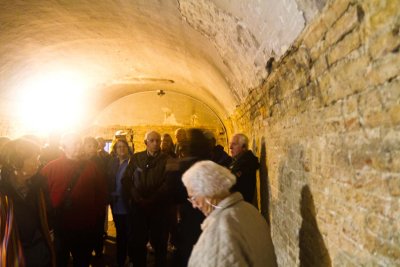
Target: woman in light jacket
[(234, 232)]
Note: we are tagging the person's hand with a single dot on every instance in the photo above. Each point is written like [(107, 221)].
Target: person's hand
[(51, 232)]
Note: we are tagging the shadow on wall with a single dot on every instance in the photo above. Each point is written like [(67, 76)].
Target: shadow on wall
[(313, 251), (264, 183)]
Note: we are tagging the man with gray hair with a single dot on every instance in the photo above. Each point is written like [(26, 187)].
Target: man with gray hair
[(180, 135), (244, 166), (145, 182)]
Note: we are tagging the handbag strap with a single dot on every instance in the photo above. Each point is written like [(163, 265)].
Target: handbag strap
[(73, 182)]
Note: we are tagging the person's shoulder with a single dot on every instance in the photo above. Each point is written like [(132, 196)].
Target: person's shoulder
[(243, 213), (172, 165), (248, 157), (228, 221), (138, 157), (140, 154), (55, 163), (164, 156)]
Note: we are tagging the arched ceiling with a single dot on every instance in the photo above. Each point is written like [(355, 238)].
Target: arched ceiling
[(212, 50)]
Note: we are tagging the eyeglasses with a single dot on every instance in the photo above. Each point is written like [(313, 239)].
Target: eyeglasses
[(191, 199)]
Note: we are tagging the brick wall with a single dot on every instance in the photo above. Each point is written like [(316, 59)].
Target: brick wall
[(326, 123)]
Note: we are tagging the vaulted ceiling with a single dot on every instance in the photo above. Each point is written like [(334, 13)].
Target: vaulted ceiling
[(214, 51)]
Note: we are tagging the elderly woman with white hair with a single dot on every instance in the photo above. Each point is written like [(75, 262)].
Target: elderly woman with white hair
[(234, 232)]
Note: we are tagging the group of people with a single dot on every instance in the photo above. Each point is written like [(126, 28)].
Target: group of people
[(190, 195)]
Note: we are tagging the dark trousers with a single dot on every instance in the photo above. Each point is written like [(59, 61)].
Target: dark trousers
[(188, 232), (77, 242), (98, 244), (122, 229), (148, 225)]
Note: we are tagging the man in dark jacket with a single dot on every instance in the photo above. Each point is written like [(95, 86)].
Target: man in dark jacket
[(188, 230), (146, 183), (218, 155), (244, 166)]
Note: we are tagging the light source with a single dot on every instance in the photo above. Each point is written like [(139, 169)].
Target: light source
[(52, 101), (160, 92)]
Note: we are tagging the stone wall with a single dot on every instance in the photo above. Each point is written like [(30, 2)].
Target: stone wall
[(326, 124)]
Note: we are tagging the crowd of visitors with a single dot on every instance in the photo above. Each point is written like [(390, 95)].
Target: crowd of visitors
[(54, 198)]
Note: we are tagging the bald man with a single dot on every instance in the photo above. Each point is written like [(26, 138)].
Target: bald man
[(145, 182)]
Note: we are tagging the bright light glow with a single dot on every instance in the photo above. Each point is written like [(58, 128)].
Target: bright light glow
[(52, 101)]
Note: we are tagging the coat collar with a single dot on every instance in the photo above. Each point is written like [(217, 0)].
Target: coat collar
[(227, 202)]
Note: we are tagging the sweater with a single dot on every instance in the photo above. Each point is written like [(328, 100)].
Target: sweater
[(88, 196)]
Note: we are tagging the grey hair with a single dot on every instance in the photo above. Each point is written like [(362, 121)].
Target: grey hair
[(243, 139), (151, 132), (180, 130), (208, 179)]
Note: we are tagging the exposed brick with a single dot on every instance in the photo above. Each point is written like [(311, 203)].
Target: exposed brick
[(334, 11), (393, 184), (318, 50), (391, 231), (350, 42), (384, 69), (390, 95), (387, 249), (387, 42), (332, 121), (347, 78), (319, 66), (381, 13), (350, 113), (371, 109), (343, 26), (314, 33), (394, 114)]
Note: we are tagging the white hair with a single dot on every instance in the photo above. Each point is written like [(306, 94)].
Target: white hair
[(146, 136), (208, 179), (180, 130), (243, 140)]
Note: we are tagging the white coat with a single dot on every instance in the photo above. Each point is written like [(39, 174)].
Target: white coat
[(234, 235)]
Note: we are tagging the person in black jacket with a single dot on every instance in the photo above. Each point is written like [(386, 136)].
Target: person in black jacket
[(218, 155), (144, 181), (244, 166), (195, 148)]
